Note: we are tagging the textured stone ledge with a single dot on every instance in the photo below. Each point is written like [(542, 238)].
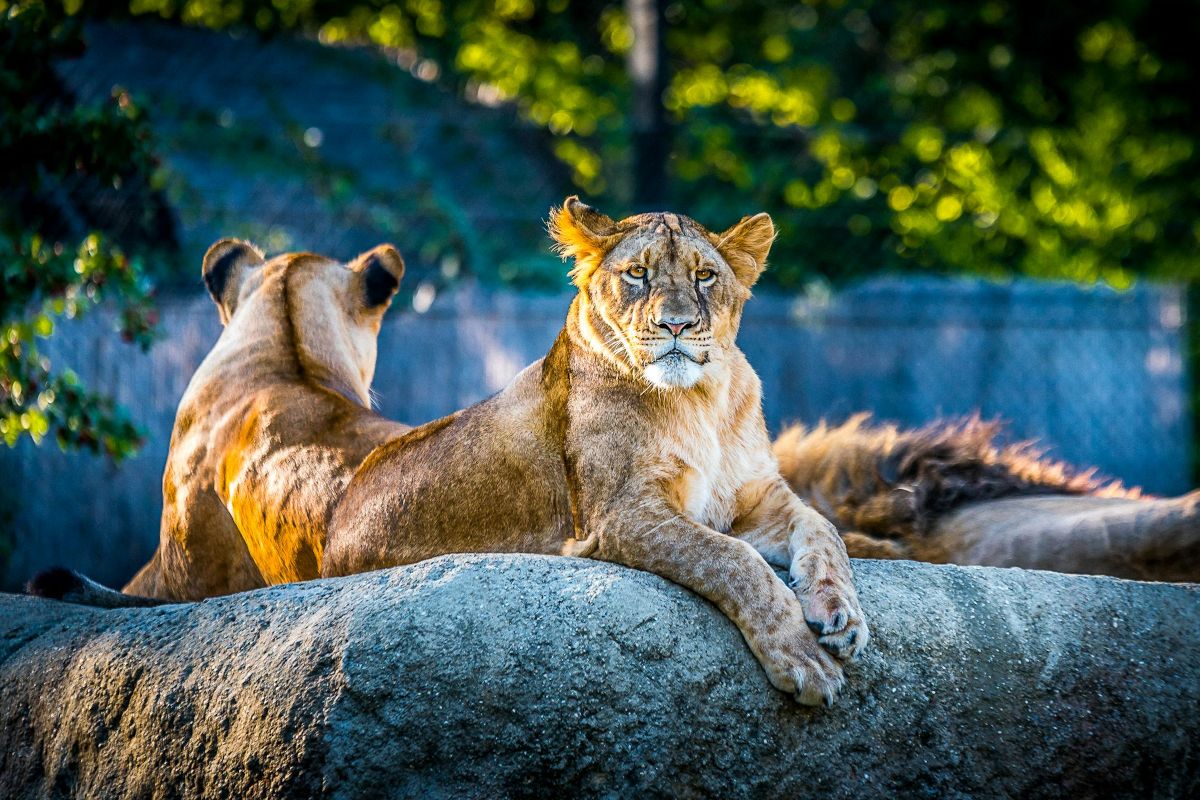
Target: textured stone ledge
[(491, 676)]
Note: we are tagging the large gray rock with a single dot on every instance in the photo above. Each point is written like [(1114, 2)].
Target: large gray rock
[(495, 676)]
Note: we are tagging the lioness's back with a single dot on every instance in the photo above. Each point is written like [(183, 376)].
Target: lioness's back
[(486, 479)]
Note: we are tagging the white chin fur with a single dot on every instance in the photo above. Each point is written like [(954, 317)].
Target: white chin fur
[(673, 372)]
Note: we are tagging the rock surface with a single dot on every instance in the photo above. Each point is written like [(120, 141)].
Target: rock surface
[(493, 676)]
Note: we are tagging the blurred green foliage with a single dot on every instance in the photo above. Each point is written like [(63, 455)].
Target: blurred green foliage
[(47, 141), (1000, 137), (1047, 140)]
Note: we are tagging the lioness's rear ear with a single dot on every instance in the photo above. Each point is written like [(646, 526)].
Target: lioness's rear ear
[(381, 270), (226, 265), (584, 234), (745, 246)]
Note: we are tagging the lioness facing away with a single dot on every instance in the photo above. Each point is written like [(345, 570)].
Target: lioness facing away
[(639, 439), (272, 424)]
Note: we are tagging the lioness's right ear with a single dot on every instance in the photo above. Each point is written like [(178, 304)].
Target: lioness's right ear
[(226, 265), (381, 271), (584, 234)]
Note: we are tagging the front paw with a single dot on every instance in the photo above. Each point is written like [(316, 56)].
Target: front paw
[(831, 608), (797, 665)]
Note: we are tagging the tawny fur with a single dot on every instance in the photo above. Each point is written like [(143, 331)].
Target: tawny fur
[(625, 444), (629, 443), (273, 423)]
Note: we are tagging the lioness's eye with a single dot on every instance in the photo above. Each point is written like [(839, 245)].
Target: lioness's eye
[(637, 272), (705, 275)]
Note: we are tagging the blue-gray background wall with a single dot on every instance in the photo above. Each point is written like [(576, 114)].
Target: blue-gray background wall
[(1095, 375)]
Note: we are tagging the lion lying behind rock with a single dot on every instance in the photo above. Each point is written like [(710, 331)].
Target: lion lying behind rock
[(947, 493)]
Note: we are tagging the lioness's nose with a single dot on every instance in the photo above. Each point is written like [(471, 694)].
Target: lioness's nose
[(676, 326)]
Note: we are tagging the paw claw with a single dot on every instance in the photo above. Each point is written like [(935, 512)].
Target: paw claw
[(837, 622), (816, 679), (846, 644)]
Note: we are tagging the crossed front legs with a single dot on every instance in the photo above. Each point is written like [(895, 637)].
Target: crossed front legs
[(790, 535), (774, 620)]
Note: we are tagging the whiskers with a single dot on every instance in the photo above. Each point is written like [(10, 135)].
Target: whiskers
[(617, 345)]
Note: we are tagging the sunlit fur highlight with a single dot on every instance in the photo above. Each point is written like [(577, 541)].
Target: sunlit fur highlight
[(578, 242), (272, 424)]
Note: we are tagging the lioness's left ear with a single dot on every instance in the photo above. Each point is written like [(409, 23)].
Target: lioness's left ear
[(225, 267), (745, 246), (380, 271), (584, 234)]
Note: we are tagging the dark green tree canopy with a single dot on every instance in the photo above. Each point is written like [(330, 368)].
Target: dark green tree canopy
[(54, 262), (1007, 136)]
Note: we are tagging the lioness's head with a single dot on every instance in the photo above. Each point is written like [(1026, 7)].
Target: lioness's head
[(663, 295), (320, 315)]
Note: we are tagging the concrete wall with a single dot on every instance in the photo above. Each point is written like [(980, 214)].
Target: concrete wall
[(1094, 374)]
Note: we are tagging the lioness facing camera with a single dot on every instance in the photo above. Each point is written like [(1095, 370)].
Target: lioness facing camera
[(639, 439)]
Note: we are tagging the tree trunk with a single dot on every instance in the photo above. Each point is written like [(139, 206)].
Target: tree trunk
[(648, 76)]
